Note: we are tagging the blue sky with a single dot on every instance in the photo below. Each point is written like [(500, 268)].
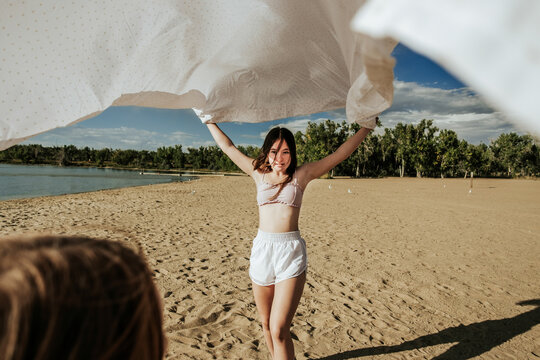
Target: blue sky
[(422, 90)]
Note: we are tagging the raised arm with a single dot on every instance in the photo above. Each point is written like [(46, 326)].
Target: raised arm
[(318, 168), (244, 162)]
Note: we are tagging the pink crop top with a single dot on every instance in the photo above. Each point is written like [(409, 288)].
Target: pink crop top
[(291, 194)]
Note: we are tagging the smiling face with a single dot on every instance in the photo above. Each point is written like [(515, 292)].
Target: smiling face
[(279, 156), (278, 152)]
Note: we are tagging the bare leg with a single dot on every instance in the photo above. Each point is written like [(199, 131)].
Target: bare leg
[(287, 295), (264, 296)]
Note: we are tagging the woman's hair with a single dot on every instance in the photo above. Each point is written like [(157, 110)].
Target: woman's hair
[(261, 162), (77, 298)]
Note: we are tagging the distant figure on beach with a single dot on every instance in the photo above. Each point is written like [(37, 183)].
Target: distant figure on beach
[(278, 260), (77, 298)]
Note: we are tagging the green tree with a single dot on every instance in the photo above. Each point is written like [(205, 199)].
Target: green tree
[(486, 160), (102, 156), (404, 138), (145, 159), (388, 149), (164, 157), (478, 159), (447, 152), (124, 157), (178, 157), (362, 159), (528, 159), (86, 154), (321, 140), (300, 140), (422, 147), (516, 154), (196, 157)]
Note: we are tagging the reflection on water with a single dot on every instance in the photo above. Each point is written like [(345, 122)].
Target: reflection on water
[(24, 181)]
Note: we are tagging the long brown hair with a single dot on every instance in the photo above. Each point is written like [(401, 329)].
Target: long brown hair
[(77, 298), (261, 162)]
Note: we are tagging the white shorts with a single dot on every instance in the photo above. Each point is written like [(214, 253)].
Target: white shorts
[(276, 257)]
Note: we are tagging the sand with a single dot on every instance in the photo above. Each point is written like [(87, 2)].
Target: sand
[(398, 268)]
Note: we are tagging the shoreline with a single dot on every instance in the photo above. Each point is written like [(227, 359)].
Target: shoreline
[(206, 172), (195, 175), (164, 171), (403, 267)]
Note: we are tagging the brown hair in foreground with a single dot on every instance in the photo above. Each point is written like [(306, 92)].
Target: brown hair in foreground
[(77, 298)]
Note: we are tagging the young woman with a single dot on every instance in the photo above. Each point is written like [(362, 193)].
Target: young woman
[(278, 257)]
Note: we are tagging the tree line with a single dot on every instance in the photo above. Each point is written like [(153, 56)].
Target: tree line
[(420, 150)]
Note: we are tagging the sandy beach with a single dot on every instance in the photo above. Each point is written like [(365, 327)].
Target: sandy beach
[(398, 268)]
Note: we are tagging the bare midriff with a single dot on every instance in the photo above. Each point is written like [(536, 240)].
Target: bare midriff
[(278, 218)]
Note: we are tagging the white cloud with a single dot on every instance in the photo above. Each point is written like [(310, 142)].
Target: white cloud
[(409, 95), (116, 138), (198, 144), (460, 110), (337, 115)]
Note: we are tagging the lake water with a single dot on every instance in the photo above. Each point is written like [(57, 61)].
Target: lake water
[(25, 181)]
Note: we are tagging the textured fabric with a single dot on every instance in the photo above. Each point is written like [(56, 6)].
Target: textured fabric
[(492, 46), (291, 194), (276, 257), (233, 60), (253, 60)]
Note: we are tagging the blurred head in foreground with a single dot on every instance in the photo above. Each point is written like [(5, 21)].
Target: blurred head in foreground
[(77, 298)]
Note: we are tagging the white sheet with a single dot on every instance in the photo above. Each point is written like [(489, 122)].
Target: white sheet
[(253, 60), (493, 46), (234, 60)]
